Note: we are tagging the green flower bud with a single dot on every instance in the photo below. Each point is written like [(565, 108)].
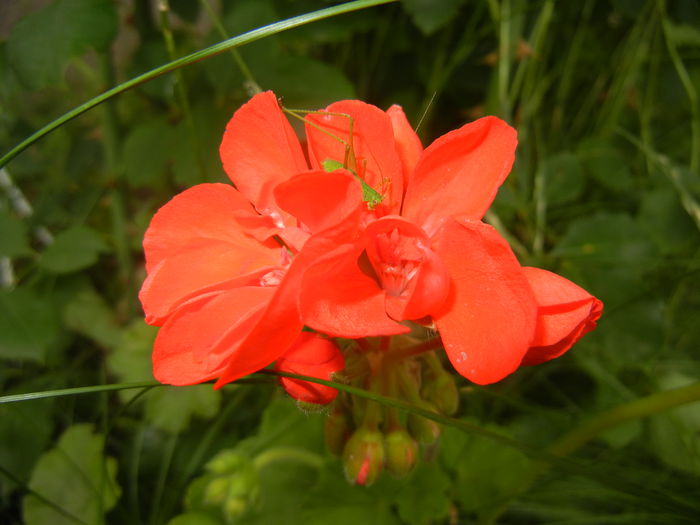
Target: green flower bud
[(230, 487), (401, 452), (337, 429), (442, 392), (363, 456), (425, 430)]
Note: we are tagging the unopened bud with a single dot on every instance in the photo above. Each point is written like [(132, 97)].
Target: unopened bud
[(442, 392), (311, 355), (425, 430), (234, 487), (337, 429), (401, 452), (363, 456)]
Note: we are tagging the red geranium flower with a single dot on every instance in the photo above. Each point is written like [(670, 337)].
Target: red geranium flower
[(422, 252), (395, 235)]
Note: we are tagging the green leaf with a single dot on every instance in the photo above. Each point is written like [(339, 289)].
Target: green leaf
[(27, 428), (304, 82), (195, 518), (564, 178), (431, 15), (42, 43), (13, 237), (662, 215), (76, 477), (131, 359), (283, 424), (606, 164), (607, 239), (487, 472), (28, 324), (611, 252), (74, 249), (171, 408), (147, 151), (335, 501), (424, 497), (88, 314)]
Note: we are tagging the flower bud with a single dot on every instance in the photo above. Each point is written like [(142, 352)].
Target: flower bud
[(442, 392), (363, 456), (231, 486), (425, 430), (337, 429), (401, 452), (311, 355)]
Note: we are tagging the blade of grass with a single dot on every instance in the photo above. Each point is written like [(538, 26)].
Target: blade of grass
[(690, 91), (14, 398), (245, 38)]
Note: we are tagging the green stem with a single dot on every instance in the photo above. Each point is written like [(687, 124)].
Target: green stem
[(410, 351), (245, 38)]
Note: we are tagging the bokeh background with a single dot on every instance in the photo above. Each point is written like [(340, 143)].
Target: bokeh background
[(605, 190)]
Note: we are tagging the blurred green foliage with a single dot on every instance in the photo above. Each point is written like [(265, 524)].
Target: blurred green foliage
[(605, 190)]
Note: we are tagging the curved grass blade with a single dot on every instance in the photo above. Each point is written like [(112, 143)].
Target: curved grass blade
[(14, 398), (236, 41)]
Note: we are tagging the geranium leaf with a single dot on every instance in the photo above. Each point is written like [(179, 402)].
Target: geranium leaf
[(42, 43), (13, 237), (76, 477), (28, 324), (73, 249)]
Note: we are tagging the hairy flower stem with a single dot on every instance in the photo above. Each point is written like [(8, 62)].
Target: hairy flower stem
[(411, 351)]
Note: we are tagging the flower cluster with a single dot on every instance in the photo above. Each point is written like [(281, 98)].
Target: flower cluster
[(365, 234)]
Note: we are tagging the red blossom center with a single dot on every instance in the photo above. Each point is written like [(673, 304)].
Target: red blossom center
[(396, 259), (412, 276)]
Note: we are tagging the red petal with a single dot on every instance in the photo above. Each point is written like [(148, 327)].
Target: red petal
[(314, 356), (460, 173), (188, 347), (340, 300), (203, 215), (490, 313), (378, 162), (408, 144), (566, 313), (260, 149), (195, 242), (320, 200), (188, 275)]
